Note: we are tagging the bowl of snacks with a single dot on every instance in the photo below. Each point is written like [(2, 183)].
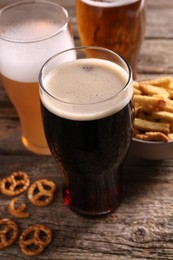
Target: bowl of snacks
[(153, 119)]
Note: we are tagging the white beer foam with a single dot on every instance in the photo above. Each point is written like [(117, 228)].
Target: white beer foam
[(22, 61), (86, 89), (31, 30), (109, 3)]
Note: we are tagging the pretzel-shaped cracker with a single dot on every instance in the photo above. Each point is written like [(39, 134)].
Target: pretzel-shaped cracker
[(41, 192), (15, 184), (17, 212), (8, 232), (41, 237)]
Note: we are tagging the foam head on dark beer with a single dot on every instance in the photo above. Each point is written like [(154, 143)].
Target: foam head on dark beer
[(86, 89)]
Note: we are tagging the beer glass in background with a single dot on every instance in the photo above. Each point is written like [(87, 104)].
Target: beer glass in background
[(86, 109), (30, 32), (118, 25)]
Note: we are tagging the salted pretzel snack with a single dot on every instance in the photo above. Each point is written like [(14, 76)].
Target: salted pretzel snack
[(19, 211), (15, 184), (41, 192), (153, 109), (8, 232), (34, 239)]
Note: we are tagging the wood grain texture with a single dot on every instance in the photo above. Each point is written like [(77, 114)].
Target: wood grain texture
[(142, 227)]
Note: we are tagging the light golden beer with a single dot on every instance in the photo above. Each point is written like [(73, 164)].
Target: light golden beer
[(25, 97), (25, 45), (116, 25)]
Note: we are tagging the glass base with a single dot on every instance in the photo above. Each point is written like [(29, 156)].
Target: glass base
[(95, 213), (99, 209), (42, 150)]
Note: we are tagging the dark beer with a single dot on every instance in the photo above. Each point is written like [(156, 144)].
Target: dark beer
[(90, 154), (90, 138)]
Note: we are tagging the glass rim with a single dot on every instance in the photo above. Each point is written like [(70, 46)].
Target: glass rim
[(41, 83), (44, 2), (109, 3)]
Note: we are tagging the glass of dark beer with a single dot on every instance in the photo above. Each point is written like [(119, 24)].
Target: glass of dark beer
[(86, 109), (118, 25)]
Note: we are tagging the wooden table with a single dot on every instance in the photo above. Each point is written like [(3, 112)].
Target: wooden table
[(142, 227)]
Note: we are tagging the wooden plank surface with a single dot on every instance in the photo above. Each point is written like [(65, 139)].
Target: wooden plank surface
[(142, 227)]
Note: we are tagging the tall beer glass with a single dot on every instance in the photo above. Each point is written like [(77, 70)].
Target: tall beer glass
[(115, 24), (30, 32), (86, 109)]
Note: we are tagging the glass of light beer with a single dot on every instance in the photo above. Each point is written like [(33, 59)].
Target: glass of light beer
[(30, 32), (118, 25), (86, 110)]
